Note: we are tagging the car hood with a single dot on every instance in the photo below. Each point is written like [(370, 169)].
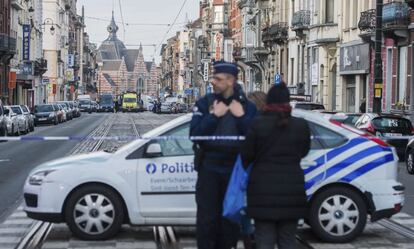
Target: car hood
[(75, 161)]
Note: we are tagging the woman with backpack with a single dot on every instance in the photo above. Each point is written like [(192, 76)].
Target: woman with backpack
[(276, 197)]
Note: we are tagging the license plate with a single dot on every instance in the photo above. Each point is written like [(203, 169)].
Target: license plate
[(42, 119), (393, 134)]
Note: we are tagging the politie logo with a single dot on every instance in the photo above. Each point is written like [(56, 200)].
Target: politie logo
[(151, 168)]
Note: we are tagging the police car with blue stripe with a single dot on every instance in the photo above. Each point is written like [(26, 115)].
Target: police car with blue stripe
[(349, 176)]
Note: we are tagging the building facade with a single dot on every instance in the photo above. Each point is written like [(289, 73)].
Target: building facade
[(121, 69)]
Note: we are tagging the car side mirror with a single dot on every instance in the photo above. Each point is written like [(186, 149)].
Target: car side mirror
[(153, 150), (6, 112)]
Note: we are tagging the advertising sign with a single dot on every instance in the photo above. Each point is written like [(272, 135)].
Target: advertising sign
[(71, 60), (26, 42), (205, 73)]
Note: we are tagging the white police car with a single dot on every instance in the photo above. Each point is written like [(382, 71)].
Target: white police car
[(152, 182)]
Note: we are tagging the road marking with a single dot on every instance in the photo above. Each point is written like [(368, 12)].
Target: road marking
[(4, 160)]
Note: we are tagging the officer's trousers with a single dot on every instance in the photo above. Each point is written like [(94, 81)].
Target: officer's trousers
[(213, 231)]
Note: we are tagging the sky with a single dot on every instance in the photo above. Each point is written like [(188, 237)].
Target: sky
[(136, 12)]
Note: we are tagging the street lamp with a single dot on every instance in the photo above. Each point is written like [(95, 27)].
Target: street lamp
[(49, 22)]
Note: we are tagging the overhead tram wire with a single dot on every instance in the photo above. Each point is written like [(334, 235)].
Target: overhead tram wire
[(169, 29), (133, 24), (122, 18)]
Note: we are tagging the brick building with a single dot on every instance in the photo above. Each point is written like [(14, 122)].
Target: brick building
[(122, 69), (7, 49)]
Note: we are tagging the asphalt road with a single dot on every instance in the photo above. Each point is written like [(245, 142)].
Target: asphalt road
[(17, 159), (408, 181)]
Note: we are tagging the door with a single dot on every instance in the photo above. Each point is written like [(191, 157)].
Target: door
[(166, 183), (350, 95), (317, 163)]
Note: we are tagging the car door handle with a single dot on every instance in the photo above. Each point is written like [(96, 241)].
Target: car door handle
[(308, 164)]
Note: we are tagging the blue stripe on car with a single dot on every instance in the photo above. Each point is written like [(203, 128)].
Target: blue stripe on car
[(367, 168), (336, 152), (343, 165)]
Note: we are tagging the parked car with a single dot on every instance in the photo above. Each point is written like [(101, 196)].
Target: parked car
[(23, 120), (12, 122), (182, 107), (64, 112), (349, 177), (309, 106), (46, 114), (347, 118), (391, 128), (3, 125), (29, 116), (75, 106), (167, 107), (95, 106), (85, 105), (59, 113), (70, 112)]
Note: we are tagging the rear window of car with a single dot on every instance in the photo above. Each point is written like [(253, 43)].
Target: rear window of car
[(25, 109), (17, 110), (384, 122), (44, 108), (309, 107)]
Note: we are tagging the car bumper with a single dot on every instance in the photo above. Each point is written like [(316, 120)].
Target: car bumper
[(399, 144), (386, 202), (45, 202), (44, 120)]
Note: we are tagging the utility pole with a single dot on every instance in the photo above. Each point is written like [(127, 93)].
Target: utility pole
[(378, 71), (81, 83)]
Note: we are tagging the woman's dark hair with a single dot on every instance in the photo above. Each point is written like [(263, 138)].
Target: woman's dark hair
[(258, 98), (278, 103)]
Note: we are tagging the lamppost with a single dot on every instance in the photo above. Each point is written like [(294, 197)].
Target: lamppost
[(49, 22)]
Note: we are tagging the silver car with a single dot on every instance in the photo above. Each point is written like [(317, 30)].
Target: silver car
[(23, 121), (12, 122), (29, 116)]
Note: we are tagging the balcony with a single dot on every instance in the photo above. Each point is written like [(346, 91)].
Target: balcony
[(301, 20), (395, 20), (7, 45), (40, 67), (275, 34), (395, 16)]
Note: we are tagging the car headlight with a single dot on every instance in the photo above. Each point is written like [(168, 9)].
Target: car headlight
[(51, 115), (39, 177)]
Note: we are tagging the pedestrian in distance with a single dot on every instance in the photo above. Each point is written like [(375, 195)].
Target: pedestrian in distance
[(227, 112), (363, 106), (276, 197)]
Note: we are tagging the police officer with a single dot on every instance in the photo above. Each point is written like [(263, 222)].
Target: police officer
[(227, 112)]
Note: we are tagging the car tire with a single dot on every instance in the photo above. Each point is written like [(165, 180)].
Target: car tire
[(32, 128), (330, 226), (56, 121), (87, 228), (409, 162), (18, 133)]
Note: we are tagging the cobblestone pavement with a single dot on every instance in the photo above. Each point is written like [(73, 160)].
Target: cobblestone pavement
[(11, 231)]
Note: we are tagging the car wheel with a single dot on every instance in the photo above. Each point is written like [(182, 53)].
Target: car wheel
[(56, 121), (409, 162), (338, 215), (18, 132), (32, 128), (94, 212)]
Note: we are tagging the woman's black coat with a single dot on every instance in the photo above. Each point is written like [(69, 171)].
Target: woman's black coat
[(276, 185)]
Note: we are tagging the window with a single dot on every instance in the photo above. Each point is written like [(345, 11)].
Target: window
[(325, 137), (329, 11), (177, 147)]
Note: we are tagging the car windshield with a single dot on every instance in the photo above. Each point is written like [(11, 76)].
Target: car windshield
[(16, 109), (388, 123), (130, 100), (24, 109), (106, 100), (44, 108), (85, 102)]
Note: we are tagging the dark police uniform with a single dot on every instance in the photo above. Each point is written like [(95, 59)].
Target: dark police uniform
[(213, 231)]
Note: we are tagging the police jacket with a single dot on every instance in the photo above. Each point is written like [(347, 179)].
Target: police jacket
[(220, 156)]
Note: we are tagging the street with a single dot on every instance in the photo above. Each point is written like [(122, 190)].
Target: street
[(17, 159)]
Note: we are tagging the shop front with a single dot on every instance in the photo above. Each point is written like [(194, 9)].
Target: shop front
[(354, 69)]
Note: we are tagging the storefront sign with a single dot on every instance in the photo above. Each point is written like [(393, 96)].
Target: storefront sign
[(71, 60), (12, 80), (218, 39), (205, 73), (26, 42), (27, 68), (354, 59), (45, 81), (54, 89), (70, 74)]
